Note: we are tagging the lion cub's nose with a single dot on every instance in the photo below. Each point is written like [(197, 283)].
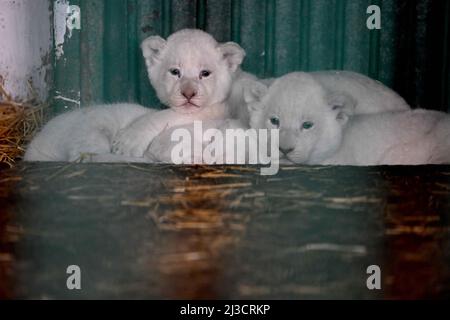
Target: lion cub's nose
[(189, 93), (286, 150)]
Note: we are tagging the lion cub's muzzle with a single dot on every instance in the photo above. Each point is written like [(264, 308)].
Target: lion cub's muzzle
[(190, 91)]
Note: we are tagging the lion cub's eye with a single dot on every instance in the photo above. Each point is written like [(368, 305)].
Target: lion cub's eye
[(175, 72), (275, 121), (205, 74), (307, 125)]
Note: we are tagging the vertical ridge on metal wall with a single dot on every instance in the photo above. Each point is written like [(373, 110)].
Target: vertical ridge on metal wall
[(116, 51), (421, 32), (374, 51), (339, 34), (252, 34), (133, 52), (305, 34), (388, 41), (219, 10), (236, 20), (91, 52), (183, 14), (201, 14), (356, 45), (166, 18), (286, 47), (322, 17), (406, 30), (270, 33), (150, 21)]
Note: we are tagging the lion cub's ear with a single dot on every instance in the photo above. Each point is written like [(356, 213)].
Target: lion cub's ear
[(253, 91), (151, 49), (233, 54), (342, 104)]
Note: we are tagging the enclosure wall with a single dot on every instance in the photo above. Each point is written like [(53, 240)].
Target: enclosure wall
[(102, 61)]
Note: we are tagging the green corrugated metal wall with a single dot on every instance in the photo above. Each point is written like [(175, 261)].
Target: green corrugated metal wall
[(102, 62)]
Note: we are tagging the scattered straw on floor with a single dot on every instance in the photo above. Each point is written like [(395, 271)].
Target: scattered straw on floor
[(18, 123)]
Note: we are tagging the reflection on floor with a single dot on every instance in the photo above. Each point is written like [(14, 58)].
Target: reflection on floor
[(194, 232)]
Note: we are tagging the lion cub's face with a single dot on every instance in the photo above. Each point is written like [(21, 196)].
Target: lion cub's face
[(310, 119), (191, 71)]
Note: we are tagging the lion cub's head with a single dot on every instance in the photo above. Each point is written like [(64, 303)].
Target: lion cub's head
[(311, 120), (190, 70)]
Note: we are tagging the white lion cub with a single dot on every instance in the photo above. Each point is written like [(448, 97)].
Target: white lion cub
[(190, 72), (193, 75), (83, 133), (319, 127)]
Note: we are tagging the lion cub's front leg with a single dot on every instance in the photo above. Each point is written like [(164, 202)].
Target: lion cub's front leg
[(134, 140)]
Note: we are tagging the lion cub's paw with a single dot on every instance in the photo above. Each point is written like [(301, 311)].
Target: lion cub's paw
[(128, 143)]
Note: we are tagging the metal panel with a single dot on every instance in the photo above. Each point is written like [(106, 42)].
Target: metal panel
[(25, 49), (103, 63)]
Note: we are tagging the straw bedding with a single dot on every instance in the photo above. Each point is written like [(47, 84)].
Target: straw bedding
[(18, 123)]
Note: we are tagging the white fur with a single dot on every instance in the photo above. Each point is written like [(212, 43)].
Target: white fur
[(370, 96), (92, 133), (342, 132), (190, 52), (236, 102), (342, 89), (84, 133), (404, 138), (87, 134), (160, 149)]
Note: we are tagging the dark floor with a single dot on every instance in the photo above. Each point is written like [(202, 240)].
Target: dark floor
[(160, 231)]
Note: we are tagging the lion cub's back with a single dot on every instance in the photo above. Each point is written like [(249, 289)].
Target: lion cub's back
[(406, 137), (80, 128), (371, 95)]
